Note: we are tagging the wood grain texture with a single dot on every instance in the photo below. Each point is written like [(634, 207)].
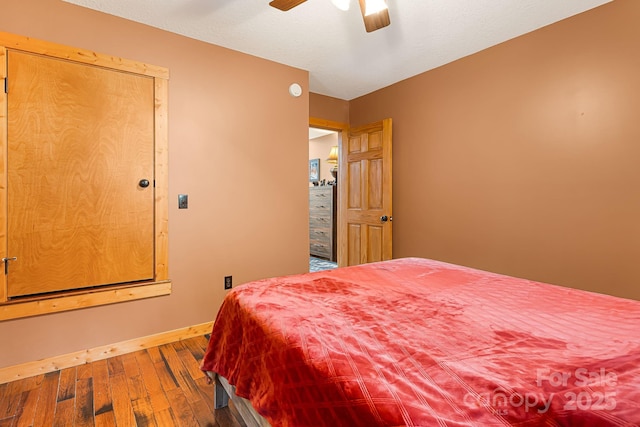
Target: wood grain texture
[(285, 5), (102, 402), (80, 55), (374, 21), (322, 222), (15, 310), (315, 122), (122, 408), (102, 395), (3, 168), (80, 138), (55, 364), (161, 165), (367, 181), (157, 228), (46, 406)]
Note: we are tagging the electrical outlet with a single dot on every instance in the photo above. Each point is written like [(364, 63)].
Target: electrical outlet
[(228, 284)]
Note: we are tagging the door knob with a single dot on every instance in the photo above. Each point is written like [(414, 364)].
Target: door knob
[(144, 183), (384, 218)]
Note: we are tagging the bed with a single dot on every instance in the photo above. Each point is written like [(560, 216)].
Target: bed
[(418, 342)]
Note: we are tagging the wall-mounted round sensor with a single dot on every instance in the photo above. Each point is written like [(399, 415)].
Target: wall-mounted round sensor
[(295, 90)]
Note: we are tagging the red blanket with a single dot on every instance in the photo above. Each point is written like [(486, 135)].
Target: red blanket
[(417, 342)]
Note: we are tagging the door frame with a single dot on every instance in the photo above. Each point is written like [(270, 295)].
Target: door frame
[(117, 293), (343, 134)]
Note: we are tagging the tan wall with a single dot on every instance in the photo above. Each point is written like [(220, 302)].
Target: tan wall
[(328, 108), (247, 218), (524, 158)]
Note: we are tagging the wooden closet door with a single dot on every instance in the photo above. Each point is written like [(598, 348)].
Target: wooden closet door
[(80, 139)]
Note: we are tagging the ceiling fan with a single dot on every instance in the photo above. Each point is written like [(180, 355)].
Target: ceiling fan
[(374, 12)]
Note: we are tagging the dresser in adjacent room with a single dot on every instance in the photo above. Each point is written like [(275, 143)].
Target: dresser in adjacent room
[(322, 222)]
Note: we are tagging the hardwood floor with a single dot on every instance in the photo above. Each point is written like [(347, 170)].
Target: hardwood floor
[(160, 386)]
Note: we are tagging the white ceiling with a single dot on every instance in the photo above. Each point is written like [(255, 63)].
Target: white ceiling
[(318, 133), (343, 60)]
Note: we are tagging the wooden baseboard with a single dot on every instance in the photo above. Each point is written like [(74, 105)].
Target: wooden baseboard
[(30, 369)]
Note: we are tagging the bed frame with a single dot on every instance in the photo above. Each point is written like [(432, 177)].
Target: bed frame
[(223, 392)]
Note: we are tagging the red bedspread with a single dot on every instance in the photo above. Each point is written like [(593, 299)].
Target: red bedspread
[(419, 343)]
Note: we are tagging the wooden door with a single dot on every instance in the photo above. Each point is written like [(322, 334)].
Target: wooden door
[(80, 139), (365, 206)]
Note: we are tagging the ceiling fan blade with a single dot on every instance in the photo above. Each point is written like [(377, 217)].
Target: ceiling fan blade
[(374, 21), (285, 5)]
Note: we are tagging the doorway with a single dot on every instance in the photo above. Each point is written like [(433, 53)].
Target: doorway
[(364, 191), (323, 164), (364, 218)]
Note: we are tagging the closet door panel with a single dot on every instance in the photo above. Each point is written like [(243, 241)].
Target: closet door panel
[(80, 140)]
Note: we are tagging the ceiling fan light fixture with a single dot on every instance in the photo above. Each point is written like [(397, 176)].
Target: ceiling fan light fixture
[(375, 6), (341, 4), (375, 14)]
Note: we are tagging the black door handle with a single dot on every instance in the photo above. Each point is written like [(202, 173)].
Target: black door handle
[(144, 183)]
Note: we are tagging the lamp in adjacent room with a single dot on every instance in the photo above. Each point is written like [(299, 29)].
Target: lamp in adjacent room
[(333, 159)]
